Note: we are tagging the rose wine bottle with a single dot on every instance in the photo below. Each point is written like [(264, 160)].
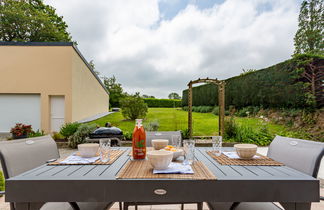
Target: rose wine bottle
[(139, 141)]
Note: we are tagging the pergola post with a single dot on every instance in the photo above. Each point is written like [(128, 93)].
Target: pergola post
[(221, 105), (190, 109)]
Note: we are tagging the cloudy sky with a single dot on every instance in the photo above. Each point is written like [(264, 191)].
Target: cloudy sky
[(156, 46)]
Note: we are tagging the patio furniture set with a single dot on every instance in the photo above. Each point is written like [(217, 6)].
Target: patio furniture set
[(36, 180)]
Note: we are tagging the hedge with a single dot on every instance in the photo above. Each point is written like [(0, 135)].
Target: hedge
[(276, 86), (154, 102)]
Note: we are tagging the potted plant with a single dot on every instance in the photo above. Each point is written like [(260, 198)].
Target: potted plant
[(20, 131)]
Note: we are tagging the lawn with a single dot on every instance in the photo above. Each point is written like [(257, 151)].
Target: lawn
[(171, 119)]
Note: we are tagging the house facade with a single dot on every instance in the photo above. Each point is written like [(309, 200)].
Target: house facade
[(46, 85)]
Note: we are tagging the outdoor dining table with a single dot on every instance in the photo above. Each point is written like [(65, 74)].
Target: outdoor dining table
[(98, 183)]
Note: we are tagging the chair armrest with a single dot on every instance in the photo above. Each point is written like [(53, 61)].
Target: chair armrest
[(2, 192)]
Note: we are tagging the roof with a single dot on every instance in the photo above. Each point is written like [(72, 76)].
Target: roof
[(57, 44)]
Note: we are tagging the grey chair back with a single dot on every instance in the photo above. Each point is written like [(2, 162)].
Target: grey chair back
[(18, 156), (302, 155), (150, 135)]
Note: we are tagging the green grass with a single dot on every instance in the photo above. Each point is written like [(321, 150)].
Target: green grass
[(171, 119), (2, 182)]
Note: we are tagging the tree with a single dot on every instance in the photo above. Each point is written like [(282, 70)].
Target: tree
[(133, 107), (310, 33), (115, 90), (174, 96), (31, 20), (147, 96), (93, 67)]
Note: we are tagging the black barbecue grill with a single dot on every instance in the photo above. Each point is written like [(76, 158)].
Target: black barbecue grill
[(113, 133)]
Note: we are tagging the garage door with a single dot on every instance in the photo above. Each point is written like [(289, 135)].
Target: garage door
[(19, 108)]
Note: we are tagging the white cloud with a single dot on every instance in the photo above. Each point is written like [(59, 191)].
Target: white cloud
[(146, 53)]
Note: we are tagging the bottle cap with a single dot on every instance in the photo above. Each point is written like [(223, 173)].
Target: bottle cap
[(139, 121)]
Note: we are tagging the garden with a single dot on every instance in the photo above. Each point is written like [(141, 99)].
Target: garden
[(256, 129)]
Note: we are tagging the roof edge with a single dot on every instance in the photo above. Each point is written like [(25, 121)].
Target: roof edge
[(36, 43), (57, 44)]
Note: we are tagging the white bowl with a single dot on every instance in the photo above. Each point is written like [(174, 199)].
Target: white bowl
[(176, 154), (88, 150), (246, 151), (159, 143), (160, 159)]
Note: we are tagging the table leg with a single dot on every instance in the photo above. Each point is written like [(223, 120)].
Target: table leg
[(296, 206), (28, 206), (22, 206)]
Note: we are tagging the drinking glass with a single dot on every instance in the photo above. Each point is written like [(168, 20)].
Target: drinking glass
[(104, 148), (176, 141), (189, 150), (217, 145)]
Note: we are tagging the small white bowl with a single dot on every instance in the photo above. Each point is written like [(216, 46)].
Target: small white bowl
[(88, 150), (160, 159), (159, 143), (176, 154), (246, 151)]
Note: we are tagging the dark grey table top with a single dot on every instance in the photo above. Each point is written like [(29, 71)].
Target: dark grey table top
[(234, 183)]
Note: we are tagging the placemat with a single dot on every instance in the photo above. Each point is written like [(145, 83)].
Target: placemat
[(142, 169), (262, 161), (114, 155)]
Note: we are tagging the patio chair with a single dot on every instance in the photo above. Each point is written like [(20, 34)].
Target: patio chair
[(150, 135), (19, 156), (302, 155)]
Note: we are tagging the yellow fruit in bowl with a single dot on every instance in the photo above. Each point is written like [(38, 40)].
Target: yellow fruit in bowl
[(169, 148), (176, 152)]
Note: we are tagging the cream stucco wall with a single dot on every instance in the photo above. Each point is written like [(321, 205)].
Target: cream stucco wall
[(88, 96), (40, 70), (52, 70)]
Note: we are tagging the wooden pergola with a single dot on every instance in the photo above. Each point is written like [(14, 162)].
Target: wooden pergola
[(221, 102)]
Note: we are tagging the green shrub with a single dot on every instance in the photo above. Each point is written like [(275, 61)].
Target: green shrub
[(230, 128), (185, 108), (206, 109), (133, 107), (185, 133), (36, 134), (246, 134), (81, 134), (2, 182), (248, 111), (216, 110), (57, 136), (201, 109), (244, 112), (128, 135), (152, 126), (154, 102), (68, 129)]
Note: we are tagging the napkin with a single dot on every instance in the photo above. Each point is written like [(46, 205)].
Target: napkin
[(175, 168), (76, 159), (234, 155)]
